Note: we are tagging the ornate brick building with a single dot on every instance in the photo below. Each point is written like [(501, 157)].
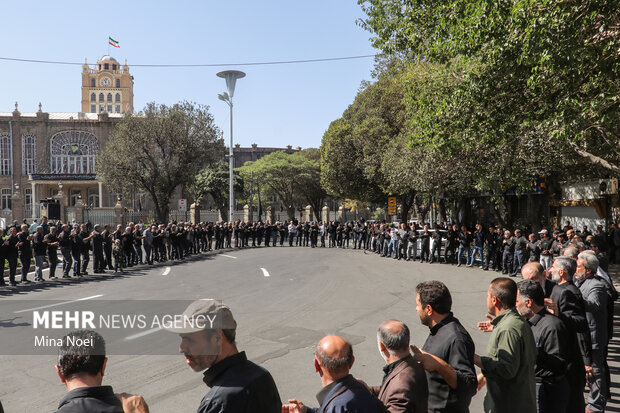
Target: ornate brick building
[(107, 87), (43, 153)]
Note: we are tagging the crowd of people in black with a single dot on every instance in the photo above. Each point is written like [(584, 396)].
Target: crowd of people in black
[(550, 332)]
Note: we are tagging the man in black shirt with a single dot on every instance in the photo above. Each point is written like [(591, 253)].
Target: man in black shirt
[(107, 246), (508, 248), (491, 240), (98, 243), (2, 260), (464, 239), (566, 302), (10, 246), (40, 249), (76, 250), (448, 353), (84, 247), (65, 241), (551, 338), (520, 249), (236, 384), (52, 247), (25, 252)]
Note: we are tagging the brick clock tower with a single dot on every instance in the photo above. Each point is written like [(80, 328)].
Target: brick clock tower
[(107, 88)]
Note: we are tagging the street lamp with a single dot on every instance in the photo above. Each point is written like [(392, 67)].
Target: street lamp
[(231, 77)]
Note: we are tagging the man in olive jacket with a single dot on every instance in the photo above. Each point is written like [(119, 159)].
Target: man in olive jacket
[(508, 367)]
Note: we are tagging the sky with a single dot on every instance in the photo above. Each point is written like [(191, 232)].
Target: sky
[(274, 105)]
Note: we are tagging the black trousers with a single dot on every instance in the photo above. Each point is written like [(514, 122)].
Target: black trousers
[(2, 260), (107, 250), (99, 263), (25, 261), (12, 259), (52, 257), (67, 260), (85, 260)]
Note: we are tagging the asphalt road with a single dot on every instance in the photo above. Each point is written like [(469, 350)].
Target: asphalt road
[(284, 300)]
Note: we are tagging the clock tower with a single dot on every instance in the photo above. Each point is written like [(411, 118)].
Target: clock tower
[(107, 87)]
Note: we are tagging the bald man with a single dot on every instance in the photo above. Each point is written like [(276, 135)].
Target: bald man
[(333, 359), (404, 388), (534, 271)]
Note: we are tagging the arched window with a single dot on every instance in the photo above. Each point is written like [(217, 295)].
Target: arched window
[(93, 97), (92, 83), (118, 83), (29, 154), (73, 152), (101, 97), (118, 97), (5, 155), (109, 97)]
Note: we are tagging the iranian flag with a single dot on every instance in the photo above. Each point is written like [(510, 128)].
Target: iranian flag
[(113, 42)]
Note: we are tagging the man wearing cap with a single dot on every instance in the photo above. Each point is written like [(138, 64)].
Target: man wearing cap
[(236, 384), (546, 250)]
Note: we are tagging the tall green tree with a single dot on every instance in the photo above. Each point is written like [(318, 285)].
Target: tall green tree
[(546, 70), (279, 174), (351, 149), (214, 181), (308, 181), (159, 150)]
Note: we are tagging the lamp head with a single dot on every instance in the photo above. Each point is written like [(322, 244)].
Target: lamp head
[(231, 77), (223, 97)]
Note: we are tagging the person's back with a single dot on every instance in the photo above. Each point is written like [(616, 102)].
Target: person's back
[(238, 385), (99, 399), (81, 368), (348, 395)]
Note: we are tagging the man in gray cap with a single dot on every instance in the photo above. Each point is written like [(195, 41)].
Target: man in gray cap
[(208, 342)]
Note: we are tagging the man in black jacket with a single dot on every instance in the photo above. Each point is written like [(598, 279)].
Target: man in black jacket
[(552, 339), (236, 384), (81, 368), (566, 302)]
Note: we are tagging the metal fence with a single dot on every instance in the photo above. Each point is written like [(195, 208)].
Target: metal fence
[(100, 216), (70, 213), (140, 216)]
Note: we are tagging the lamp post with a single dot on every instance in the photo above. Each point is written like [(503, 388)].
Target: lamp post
[(231, 77)]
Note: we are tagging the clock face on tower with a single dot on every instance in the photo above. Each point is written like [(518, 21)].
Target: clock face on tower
[(105, 82)]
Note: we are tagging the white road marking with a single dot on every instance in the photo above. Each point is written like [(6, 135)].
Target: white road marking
[(265, 272), (228, 256), (57, 304), (166, 271), (142, 334)]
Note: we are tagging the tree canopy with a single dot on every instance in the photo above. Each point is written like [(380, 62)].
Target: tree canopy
[(214, 180), (159, 150), (509, 71), (293, 178)]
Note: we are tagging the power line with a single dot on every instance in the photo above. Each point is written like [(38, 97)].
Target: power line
[(281, 62)]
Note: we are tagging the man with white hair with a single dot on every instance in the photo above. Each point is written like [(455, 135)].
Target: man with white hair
[(595, 299), (566, 302)]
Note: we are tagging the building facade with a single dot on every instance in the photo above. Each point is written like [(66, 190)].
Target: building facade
[(107, 87), (44, 154), (255, 152)]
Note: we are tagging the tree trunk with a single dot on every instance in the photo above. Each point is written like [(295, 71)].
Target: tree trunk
[(162, 213), (441, 210), (290, 211), (421, 211), (405, 206)]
